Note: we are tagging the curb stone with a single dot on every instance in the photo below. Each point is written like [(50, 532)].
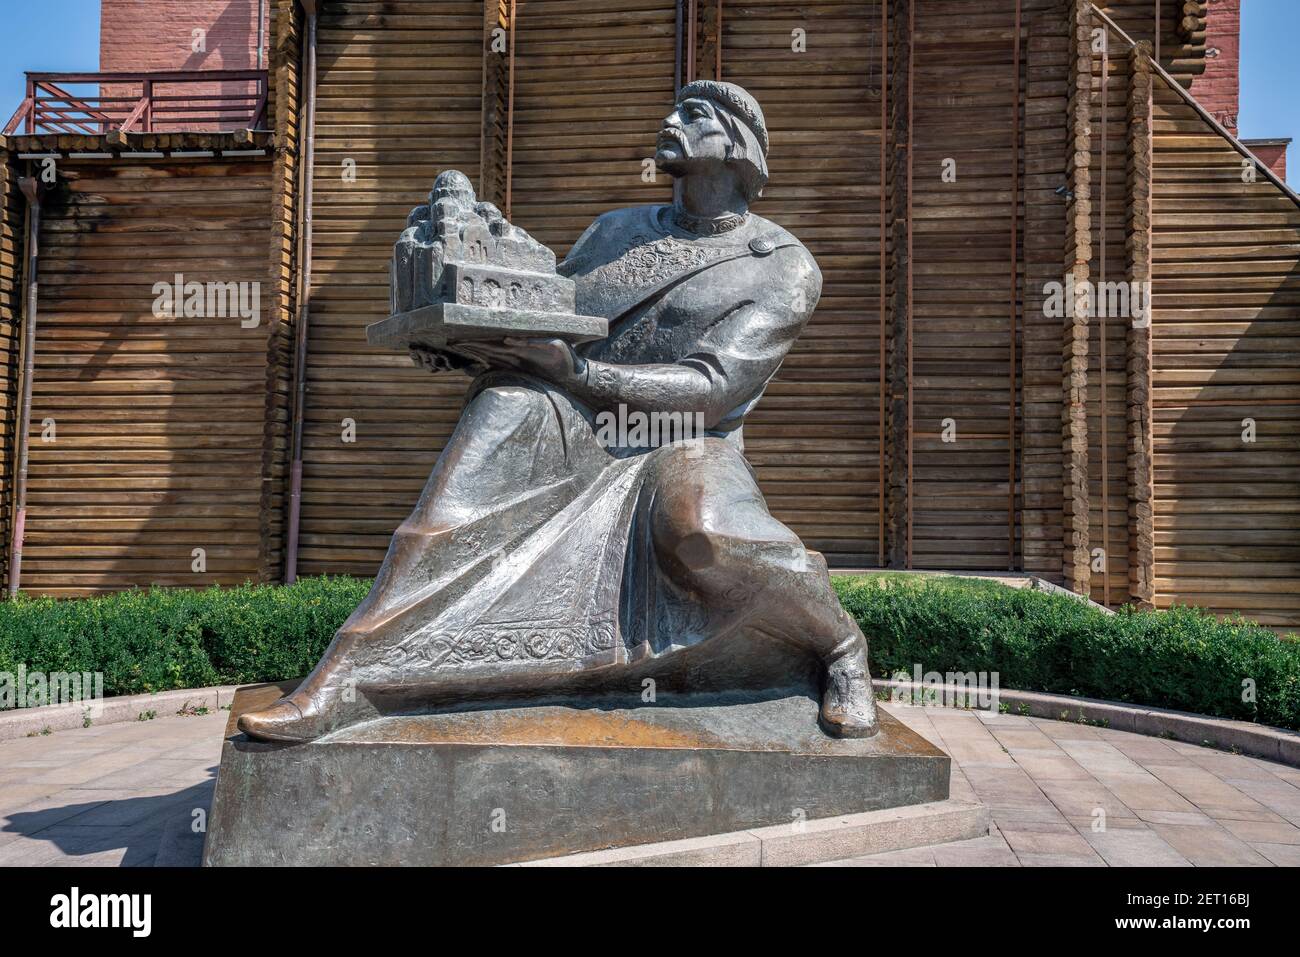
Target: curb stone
[(1243, 737), (24, 722), (816, 842)]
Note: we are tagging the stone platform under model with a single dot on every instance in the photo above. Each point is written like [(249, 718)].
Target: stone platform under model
[(517, 784)]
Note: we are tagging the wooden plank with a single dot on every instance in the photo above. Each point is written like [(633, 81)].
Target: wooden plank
[(823, 104), (1226, 394), (1141, 481), (150, 432)]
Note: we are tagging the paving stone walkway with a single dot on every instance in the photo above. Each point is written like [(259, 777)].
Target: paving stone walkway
[(103, 795), (1060, 794), (1075, 795)]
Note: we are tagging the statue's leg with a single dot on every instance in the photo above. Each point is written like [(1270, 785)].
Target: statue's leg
[(503, 446), (714, 535)]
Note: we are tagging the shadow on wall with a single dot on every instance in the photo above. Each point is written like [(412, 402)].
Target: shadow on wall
[(164, 36), (1226, 395)]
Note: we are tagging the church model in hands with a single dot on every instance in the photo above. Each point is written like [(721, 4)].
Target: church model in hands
[(461, 272)]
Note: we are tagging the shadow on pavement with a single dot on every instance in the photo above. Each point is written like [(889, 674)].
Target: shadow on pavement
[(150, 829)]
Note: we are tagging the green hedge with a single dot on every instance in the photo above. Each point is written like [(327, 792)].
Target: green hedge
[(167, 638), (155, 640), (1183, 659)]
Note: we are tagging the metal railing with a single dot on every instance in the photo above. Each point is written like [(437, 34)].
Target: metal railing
[(181, 101)]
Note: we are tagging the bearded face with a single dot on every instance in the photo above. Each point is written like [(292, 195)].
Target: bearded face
[(693, 135)]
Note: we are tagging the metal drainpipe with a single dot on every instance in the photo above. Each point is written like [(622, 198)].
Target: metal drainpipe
[(304, 305), (31, 190)]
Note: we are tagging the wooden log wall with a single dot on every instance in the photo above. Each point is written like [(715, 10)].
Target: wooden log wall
[(593, 80), (399, 85), (1047, 77), (495, 131), (1059, 512), (283, 116), (897, 437), (1076, 564), (815, 439), (147, 430), (1138, 366), (966, 281), (1226, 357), (13, 226), (1108, 330), (1114, 519), (968, 507), (173, 434), (1181, 43), (1204, 509)]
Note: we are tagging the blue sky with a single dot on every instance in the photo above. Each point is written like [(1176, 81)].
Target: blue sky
[(56, 35), (44, 36), (1270, 75)]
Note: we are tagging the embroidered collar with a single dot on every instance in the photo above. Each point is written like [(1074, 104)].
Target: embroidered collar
[(703, 226)]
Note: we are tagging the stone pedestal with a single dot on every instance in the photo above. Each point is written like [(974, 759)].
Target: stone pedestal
[(522, 783)]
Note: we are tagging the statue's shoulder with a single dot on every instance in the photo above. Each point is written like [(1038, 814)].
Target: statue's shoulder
[(608, 236), (765, 232), (619, 221), (769, 238)]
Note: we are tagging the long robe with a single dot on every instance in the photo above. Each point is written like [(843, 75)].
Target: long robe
[(528, 563)]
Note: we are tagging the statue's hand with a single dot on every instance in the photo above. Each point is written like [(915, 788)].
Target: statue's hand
[(436, 360), (551, 359)]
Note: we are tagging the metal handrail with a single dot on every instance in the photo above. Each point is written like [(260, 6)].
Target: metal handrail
[(49, 108)]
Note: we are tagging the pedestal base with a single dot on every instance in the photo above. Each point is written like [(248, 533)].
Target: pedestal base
[(523, 783)]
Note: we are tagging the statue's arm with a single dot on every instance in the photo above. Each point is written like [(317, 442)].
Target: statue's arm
[(659, 387), (711, 383), (735, 358)]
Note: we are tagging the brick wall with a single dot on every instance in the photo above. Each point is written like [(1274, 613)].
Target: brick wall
[(1219, 88), (139, 35), (159, 35), (1272, 153)]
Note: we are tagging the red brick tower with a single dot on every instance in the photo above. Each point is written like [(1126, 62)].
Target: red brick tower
[(138, 36), (1219, 88), (148, 35)]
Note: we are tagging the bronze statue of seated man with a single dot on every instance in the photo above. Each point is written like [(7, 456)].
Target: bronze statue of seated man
[(592, 527)]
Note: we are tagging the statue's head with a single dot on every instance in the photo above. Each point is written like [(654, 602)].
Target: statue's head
[(715, 124)]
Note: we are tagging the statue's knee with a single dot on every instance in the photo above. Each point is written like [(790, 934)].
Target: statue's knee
[(696, 552), (502, 398), (680, 537), (701, 549)]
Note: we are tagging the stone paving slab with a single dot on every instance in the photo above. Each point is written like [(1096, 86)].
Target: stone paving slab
[(1060, 794), (101, 796), (1281, 855)]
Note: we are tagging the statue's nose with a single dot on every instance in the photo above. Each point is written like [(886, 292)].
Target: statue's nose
[(671, 120)]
